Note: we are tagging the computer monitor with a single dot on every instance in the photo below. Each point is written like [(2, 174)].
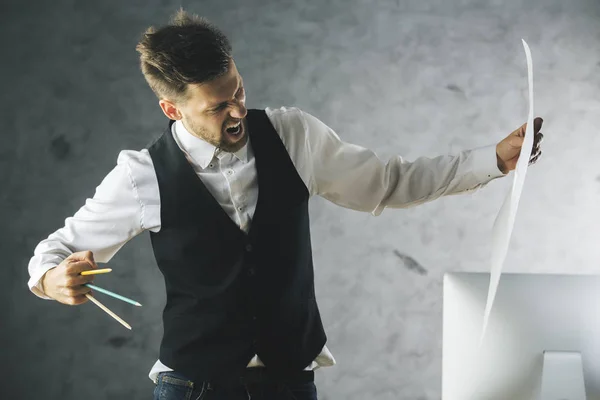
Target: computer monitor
[(542, 341)]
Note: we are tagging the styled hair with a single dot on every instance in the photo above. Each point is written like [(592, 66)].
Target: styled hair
[(189, 50)]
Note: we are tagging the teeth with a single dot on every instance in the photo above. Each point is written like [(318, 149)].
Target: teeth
[(234, 126)]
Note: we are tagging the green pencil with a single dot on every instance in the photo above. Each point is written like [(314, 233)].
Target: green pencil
[(116, 296)]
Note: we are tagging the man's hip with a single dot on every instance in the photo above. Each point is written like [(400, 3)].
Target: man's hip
[(256, 384)]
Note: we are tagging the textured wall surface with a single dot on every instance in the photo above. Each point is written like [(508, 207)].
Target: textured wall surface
[(416, 78)]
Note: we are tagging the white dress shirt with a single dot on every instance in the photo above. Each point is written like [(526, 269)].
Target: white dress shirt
[(127, 201)]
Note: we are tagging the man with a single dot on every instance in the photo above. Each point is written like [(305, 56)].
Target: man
[(224, 193)]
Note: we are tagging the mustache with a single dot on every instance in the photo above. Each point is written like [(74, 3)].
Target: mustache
[(233, 122)]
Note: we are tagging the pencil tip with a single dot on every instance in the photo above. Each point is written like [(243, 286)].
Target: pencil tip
[(138, 304)]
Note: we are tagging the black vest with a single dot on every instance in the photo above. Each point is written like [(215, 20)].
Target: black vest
[(231, 295)]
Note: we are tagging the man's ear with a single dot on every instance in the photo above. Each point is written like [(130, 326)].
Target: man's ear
[(170, 109)]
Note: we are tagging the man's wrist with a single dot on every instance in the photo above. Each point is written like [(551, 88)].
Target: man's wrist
[(42, 281), (42, 287), (501, 165)]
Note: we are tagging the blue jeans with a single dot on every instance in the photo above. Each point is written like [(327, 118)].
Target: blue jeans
[(174, 386)]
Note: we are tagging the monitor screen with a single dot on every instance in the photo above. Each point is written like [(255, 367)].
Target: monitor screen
[(532, 314)]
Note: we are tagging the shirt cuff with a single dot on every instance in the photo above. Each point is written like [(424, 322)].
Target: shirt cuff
[(35, 281), (485, 164)]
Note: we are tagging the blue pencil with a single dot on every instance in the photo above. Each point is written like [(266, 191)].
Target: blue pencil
[(116, 296)]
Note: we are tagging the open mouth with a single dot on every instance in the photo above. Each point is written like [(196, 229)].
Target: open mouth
[(235, 129)]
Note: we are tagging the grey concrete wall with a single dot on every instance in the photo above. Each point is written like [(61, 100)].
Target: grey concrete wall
[(401, 77)]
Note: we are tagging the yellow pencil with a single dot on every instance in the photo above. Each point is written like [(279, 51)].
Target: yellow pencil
[(96, 271), (112, 314)]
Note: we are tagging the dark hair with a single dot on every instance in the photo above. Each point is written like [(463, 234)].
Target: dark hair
[(190, 50)]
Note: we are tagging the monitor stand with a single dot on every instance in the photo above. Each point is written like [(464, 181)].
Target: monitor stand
[(562, 376)]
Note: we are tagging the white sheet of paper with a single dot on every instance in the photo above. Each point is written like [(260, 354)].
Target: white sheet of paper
[(505, 220)]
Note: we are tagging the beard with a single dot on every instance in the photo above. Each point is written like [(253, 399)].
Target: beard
[(219, 139)]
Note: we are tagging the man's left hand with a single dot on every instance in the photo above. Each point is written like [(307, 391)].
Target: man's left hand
[(508, 150)]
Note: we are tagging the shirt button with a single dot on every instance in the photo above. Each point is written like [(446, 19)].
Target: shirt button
[(248, 247), (230, 172), (211, 165), (240, 208)]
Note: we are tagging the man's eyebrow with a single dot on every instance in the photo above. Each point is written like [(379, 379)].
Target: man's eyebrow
[(217, 105), (212, 107)]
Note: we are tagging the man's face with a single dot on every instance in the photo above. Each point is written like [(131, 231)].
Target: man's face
[(215, 111)]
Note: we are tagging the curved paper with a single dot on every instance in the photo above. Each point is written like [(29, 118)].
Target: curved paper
[(505, 220)]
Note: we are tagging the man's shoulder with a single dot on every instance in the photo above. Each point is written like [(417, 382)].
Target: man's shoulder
[(283, 111), (290, 124), (135, 161), (135, 156), (287, 121)]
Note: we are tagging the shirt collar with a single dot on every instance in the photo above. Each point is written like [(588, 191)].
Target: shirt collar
[(200, 150)]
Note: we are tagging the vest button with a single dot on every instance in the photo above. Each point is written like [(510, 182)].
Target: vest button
[(248, 247), (251, 271)]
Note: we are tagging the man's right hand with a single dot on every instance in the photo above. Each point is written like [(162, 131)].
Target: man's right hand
[(65, 284)]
